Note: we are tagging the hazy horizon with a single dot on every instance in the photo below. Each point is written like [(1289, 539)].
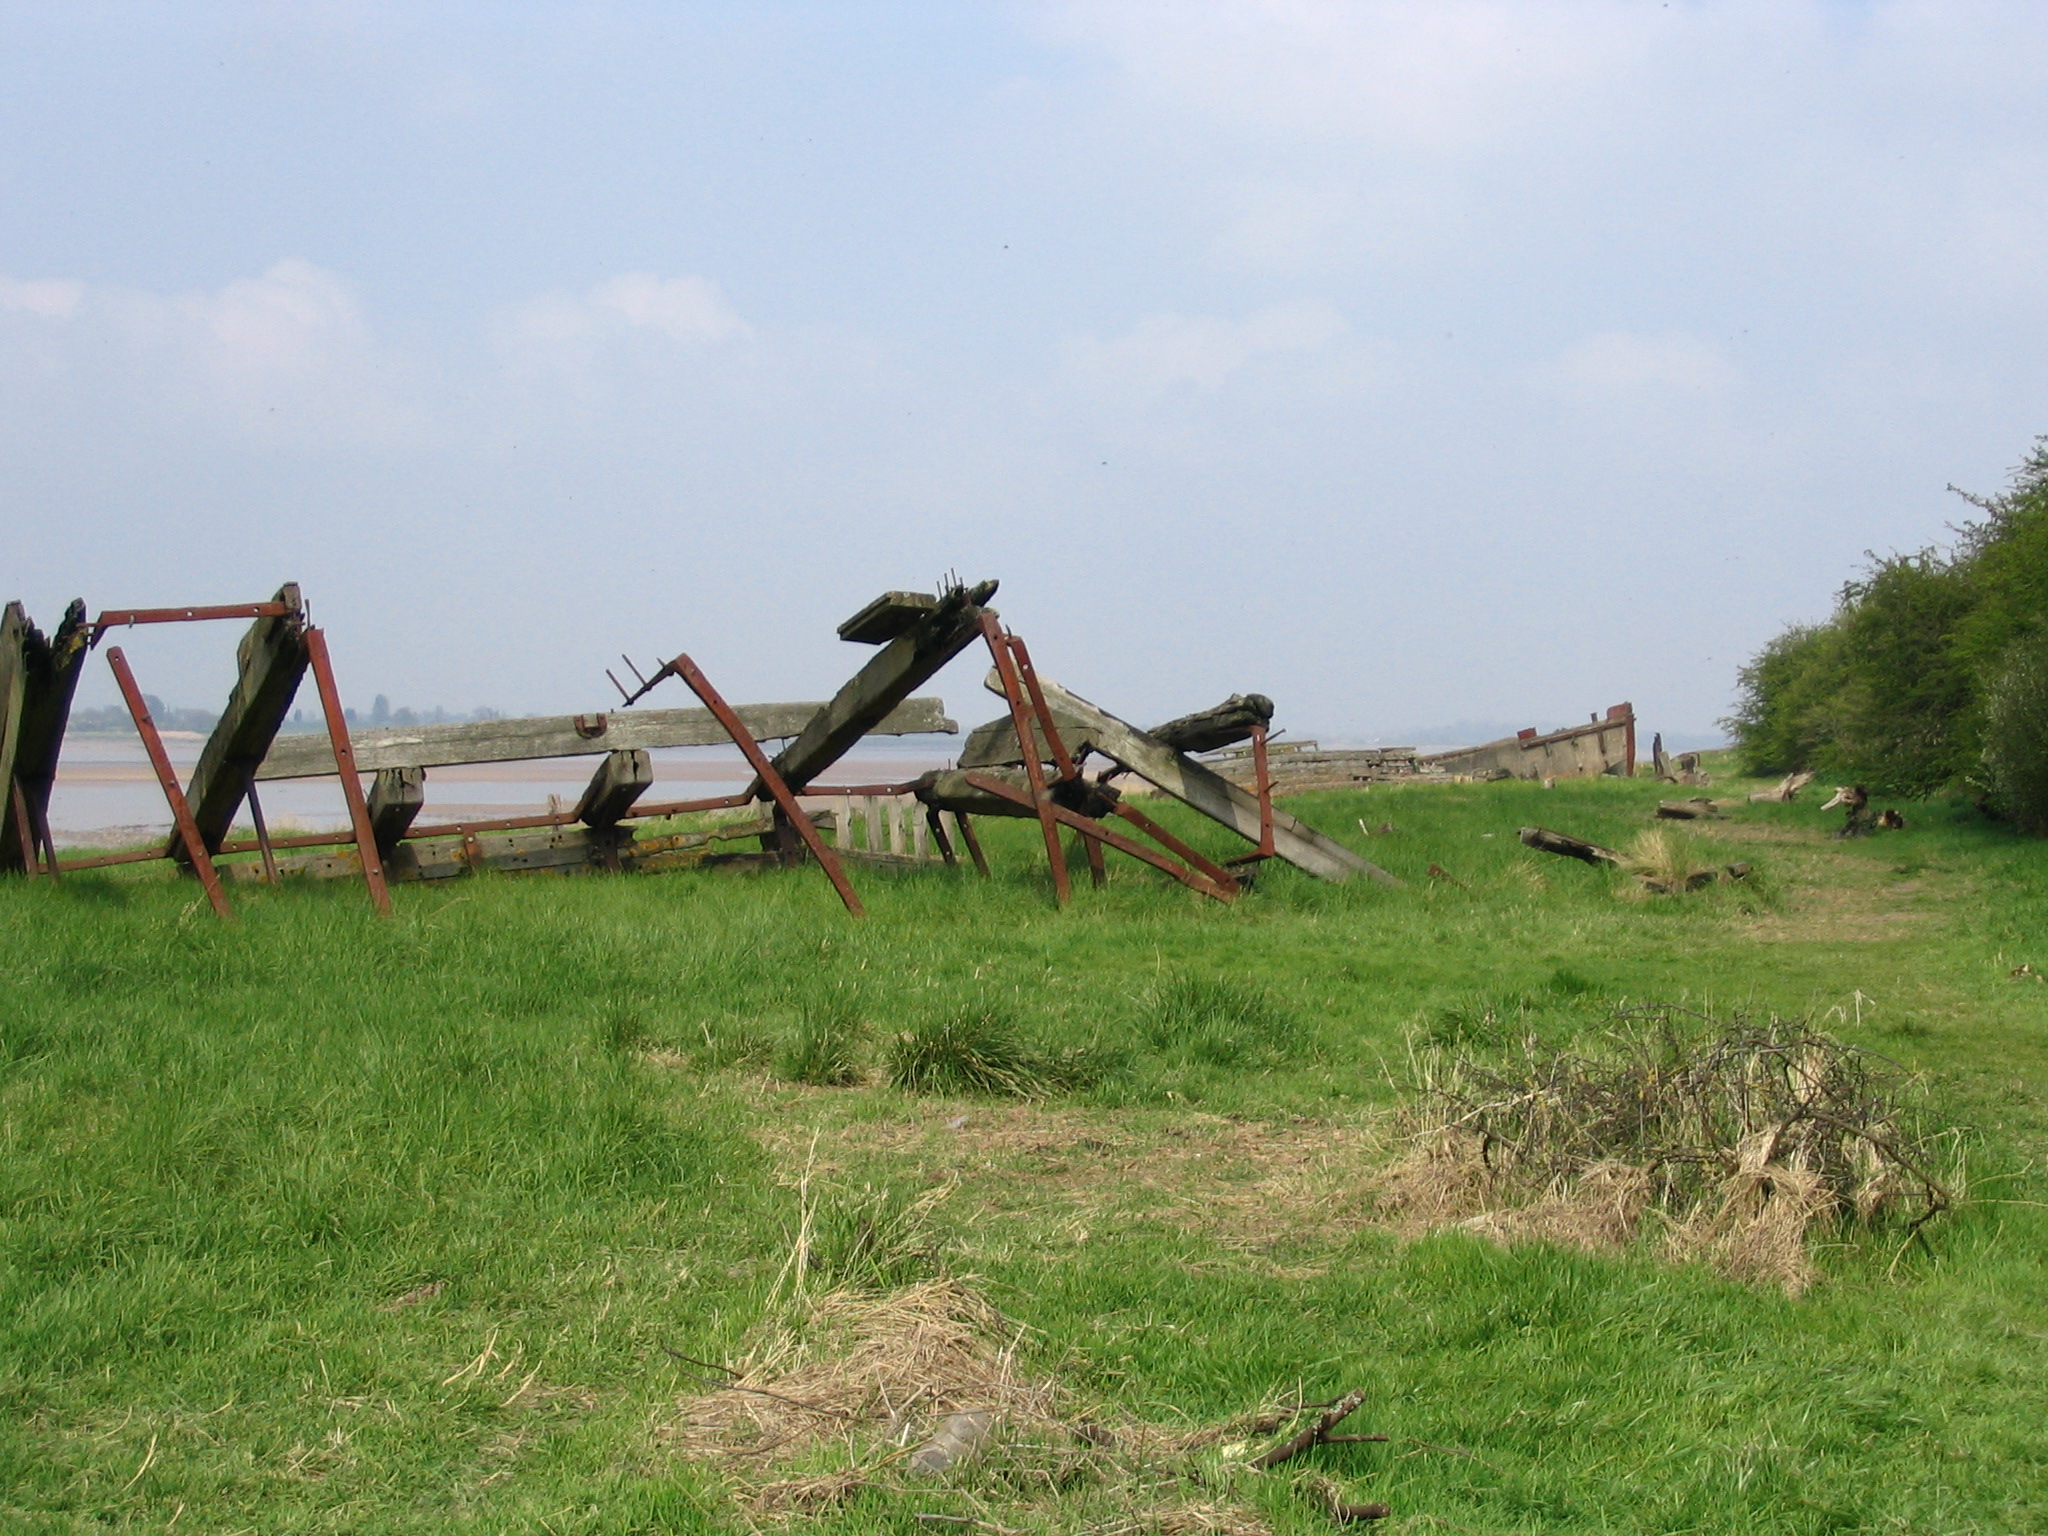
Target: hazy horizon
[(1405, 363)]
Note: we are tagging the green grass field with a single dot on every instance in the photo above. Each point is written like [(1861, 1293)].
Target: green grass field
[(317, 1222)]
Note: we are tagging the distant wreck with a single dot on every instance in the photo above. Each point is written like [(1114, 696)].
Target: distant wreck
[(1605, 745)]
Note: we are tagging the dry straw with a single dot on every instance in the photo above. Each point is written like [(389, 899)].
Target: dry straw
[(1744, 1137)]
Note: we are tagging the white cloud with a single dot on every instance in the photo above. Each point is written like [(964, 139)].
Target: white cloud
[(48, 299), (284, 356), (687, 310), (1203, 351), (1616, 365)]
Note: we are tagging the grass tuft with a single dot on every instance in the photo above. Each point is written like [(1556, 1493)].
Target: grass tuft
[(1218, 1022), (980, 1052)]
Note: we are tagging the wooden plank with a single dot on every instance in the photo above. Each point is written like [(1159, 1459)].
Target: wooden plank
[(14, 632), (887, 617), (396, 796), (621, 778), (994, 745), (1210, 793), (882, 685), (269, 663), (51, 678), (506, 741), (564, 850)]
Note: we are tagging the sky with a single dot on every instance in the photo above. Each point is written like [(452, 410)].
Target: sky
[(1466, 362)]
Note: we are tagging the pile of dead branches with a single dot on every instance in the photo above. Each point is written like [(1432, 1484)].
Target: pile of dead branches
[(1743, 1137), (918, 1391)]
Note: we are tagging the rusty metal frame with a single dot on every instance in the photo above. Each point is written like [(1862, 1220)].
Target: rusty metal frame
[(1262, 779), (174, 794), (345, 766), (120, 617), (1027, 701), (792, 812), (1034, 771), (1194, 879)]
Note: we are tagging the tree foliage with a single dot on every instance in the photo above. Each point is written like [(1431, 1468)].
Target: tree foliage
[(1900, 689)]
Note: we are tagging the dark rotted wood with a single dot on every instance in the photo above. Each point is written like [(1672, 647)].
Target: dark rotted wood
[(15, 630), (1225, 725), (621, 779), (269, 663), (994, 745), (885, 682), (505, 741), (1696, 809), (887, 617), (1543, 840), (396, 796), (948, 790), (50, 679)]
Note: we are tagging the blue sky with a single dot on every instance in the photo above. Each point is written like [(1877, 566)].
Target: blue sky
[(1409, 363)]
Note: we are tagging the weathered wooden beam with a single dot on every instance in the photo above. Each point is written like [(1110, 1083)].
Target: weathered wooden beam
[(887, 617), (51, 678), (14, 632), (1210, 793), (270, 661), (994, 745), (1224, 725), (883, 684), (1565, 846), (621, 778), (506, 741), (396, 796), (564, 850)]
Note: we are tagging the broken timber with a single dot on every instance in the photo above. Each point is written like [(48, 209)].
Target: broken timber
[(396, 796), (1211, 794), (37, 679), (623, 778), (269, 663), (916, 650), (563, 850), (1543, 840), (504, 741)]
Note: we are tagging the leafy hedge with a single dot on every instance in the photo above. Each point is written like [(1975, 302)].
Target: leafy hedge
[(1932, 673)]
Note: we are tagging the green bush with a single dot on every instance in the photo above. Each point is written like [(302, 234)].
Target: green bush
[(2016, 736)]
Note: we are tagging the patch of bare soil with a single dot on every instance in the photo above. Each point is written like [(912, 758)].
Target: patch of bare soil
[(1250, 1185)]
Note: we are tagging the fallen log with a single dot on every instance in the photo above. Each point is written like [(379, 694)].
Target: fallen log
[(1223, 725), (1784, 792), (1543, 840), (1699, 808)]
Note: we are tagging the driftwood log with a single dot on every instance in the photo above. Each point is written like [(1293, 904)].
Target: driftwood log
[(1225, 725), (1785, 791), (1699, 808), (1543, 840)]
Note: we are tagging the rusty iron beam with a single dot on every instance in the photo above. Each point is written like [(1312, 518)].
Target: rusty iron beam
[(1034, 771), (160, 760), (345, 766), (1195, 880), (764, 771), (115, 618), (1020, 654)]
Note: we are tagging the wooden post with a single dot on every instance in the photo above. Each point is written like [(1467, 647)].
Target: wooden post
[(396, 796), (14, 633), (622, 778), (871, 813), (345, 767), (269, 663)]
